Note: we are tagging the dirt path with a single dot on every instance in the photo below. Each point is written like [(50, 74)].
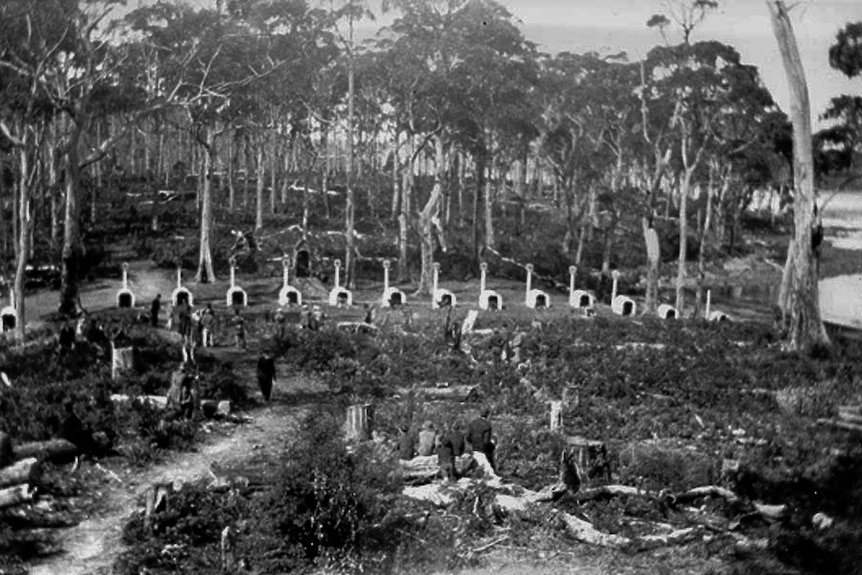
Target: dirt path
[(92, 546)]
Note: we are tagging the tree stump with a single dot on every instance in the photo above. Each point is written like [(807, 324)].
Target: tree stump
[(582, 462), (358, 424), (556, 415), (7, 455), (122, 361)]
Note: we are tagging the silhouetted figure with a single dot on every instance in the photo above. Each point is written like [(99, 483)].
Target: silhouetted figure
[(265, 374), (406, 443), (72, 429), (479, 436), (239, 330), (155, 308)]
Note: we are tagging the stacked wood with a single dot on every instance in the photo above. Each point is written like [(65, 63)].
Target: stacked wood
[(50, 450)]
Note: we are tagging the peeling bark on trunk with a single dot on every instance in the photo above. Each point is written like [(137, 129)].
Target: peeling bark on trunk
[(426, 216), (806, 329)]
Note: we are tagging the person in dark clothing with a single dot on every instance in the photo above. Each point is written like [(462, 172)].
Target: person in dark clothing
[(155, 308), (184, 318), (239, 329), (406, 443), (479, 436), (451, 446), (181, 401), (66, 338), (265, 374), (72, 429)]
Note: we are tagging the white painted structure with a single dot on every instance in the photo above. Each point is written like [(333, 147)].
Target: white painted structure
[(236, 296), (288, 295), (488, 299), (125, 297), (441, 297), (339, 296), (713, 315), (8, 315), (181, 293), (392, 297), (579, 299), (535, 298), (620, 304), (666, 311)]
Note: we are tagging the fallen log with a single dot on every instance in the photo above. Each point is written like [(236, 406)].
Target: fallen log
[(450, 393), (24, 471), (12, 496), (773, 512), (610, 491), (850, 415), (846, 425), (584, 531), (707, 491), (50, 450)]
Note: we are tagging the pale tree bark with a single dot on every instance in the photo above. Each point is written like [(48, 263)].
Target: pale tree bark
[(805, 330), (259, 182), (349, 212), (205, 272), (427, 217)]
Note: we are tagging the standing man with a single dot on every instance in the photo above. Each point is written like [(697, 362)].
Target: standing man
[(155, 308), (451, 446), (479, 436), (207, 325), (265, 374), (280, 325), (239, 329)]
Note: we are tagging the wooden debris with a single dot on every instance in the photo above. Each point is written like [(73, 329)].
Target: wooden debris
[(609, 491), (584, 531), (450, 393), (50, 450), (846, 425), (24, 471), (427, 467), (707, 491), (12, 496)]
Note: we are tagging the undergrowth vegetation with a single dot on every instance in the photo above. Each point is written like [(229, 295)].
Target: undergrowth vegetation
[(673, 402)]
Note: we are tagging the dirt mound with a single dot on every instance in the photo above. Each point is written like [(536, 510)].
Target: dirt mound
[(311, 288)]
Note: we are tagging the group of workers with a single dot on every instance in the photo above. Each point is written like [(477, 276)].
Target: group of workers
[(449, 444)]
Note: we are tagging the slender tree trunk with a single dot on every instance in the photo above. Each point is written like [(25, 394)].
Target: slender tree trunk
[(24, 226), (350, 244), (806, 329), (477, 204), (701, 251), (489, 211), (403, 217), (273, 171), (395, 191), (426, 217), (653, 259), (685, 183), (72, 248), (260, 180), (205, 272), (231, 165)]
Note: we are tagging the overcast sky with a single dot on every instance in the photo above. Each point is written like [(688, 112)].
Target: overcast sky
[(613, 25)]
